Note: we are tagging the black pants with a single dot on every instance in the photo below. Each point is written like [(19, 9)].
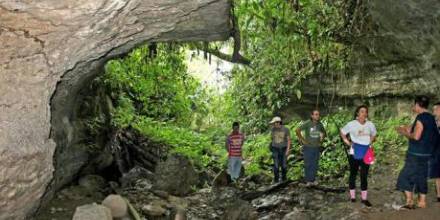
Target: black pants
[(354, 167)]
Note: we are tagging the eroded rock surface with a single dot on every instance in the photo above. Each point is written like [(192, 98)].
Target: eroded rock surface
[(396, 55)]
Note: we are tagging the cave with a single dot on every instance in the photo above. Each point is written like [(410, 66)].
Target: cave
[(51, 50)]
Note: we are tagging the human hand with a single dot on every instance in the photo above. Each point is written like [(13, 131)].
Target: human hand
[(402, 129), (304, 142)]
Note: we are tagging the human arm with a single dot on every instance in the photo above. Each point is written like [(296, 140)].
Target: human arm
[(323, 134), (345, 138), (289, 142), (300, 136), (373, 133), (227, 144), (343, 133), (415, 135)]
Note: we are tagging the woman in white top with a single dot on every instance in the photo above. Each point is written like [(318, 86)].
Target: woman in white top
[(362, 133)]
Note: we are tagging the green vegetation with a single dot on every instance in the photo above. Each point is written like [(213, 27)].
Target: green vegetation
[(333, 161), (288, 41), (153, 86)]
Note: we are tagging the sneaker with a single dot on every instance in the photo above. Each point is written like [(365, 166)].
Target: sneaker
[(366, 203), (353, 200), (275, 182)]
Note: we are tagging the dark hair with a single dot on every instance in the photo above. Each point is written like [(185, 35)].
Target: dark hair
[(235, 124), (314, 110), (356, 112), (422, 101), (438, 103)]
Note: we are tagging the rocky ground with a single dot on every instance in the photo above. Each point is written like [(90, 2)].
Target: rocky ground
[(174, 190)]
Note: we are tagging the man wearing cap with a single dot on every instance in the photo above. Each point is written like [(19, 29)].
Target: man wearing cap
[(280, 147)]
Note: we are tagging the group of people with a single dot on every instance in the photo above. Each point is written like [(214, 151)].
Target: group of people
[(422, 158)]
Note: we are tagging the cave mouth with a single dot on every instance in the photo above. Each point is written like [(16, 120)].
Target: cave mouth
[(79, 106)]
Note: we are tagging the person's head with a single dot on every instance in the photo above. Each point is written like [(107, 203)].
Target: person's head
[(315, 115), (236, 126), (361, 113), (421, 104), (436, 110), (276, 122)]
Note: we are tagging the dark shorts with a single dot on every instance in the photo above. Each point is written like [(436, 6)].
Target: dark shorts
[(434, 166), (414, 175)]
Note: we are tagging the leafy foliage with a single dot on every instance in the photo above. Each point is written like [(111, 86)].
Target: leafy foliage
[(158, 86), (196, 146), (288, 41), (333, 160)]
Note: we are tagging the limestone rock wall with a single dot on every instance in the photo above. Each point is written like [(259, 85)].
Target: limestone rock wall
[(48, 50), (395, 58)]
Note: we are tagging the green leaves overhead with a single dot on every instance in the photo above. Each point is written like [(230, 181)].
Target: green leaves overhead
[(287, 41)]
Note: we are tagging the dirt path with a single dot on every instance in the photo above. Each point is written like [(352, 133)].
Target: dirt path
[(386, 199), (432, 212)]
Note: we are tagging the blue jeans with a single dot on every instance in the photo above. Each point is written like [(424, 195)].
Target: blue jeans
[(311, 162), (234, 167), (279, 160)]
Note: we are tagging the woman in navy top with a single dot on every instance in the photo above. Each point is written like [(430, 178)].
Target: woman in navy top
[(422, 136)]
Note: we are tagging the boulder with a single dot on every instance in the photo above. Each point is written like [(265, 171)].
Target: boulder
[(117, 205), (92, 212), (176, 175)]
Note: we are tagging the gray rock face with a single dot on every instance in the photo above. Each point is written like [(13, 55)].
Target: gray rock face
[(49, 50), (396, 57), (176, 175)]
